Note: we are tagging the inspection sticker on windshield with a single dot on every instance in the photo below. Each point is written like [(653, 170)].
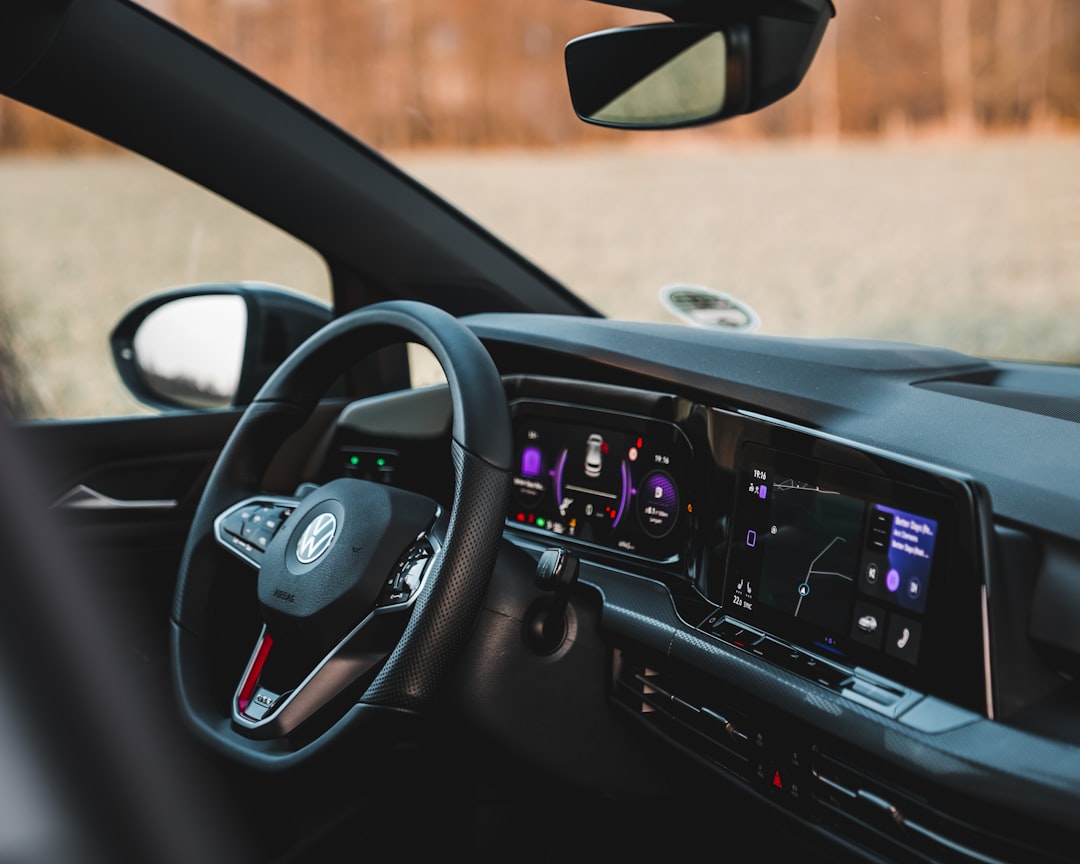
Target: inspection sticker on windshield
[(704, 307)]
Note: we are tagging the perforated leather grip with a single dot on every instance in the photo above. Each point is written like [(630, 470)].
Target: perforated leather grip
[(446, 612)]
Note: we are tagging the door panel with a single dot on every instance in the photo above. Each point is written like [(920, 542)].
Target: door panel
[(124, 492)]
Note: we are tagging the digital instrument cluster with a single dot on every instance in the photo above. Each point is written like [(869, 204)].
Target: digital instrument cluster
[(611, 480)]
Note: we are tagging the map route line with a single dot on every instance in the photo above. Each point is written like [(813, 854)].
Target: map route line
[(795, 486), (810, 571)]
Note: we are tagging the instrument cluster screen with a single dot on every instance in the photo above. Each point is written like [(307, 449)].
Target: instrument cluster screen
[(611, 480)]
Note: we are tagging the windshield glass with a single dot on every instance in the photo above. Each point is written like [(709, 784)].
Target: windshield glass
[(921, 185)]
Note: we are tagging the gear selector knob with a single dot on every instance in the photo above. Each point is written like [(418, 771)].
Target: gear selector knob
[(556, 571)]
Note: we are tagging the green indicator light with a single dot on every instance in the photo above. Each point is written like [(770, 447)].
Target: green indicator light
[(540, 523), (354, 460), (380, 462)]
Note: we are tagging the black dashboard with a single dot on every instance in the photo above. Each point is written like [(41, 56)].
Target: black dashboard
[(846, 630), (831, 561)]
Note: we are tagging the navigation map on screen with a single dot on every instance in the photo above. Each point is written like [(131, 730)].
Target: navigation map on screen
[(822, 554), (810, 559)]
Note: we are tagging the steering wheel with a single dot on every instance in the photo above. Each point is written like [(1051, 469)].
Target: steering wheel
[(366, 591)]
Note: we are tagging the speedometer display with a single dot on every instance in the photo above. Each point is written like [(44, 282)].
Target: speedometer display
[(611, 480)]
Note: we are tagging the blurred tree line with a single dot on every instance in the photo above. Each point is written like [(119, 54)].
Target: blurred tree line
[(455, 73)]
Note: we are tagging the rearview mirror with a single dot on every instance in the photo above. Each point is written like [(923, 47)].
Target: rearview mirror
[(686, 73), (656, 76)]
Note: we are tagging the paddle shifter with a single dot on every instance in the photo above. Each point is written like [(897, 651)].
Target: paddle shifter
[(556, 571)]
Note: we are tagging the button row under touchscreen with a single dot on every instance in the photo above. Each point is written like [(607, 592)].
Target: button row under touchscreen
[(780, 653)]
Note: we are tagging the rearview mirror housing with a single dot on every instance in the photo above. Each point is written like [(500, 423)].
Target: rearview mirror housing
[(694, 71)]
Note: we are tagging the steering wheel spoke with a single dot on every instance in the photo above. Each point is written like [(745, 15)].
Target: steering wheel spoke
[(281, 687), (285, 681)]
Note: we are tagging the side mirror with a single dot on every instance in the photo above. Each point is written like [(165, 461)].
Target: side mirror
[(687, 73), (210, 346)]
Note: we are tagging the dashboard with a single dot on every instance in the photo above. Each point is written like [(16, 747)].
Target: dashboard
[(830, 624), (838, 580), (855, 569)]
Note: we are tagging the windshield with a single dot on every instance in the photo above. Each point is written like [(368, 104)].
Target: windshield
[(921, 185)]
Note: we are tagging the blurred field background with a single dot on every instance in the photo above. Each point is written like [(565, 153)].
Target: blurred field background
[(934, 197)]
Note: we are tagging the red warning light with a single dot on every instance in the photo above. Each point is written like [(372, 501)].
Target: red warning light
[(604, 448), (776, 781), (521, 517), (640, 443)]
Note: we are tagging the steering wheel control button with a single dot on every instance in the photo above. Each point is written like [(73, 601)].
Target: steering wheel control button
[(407, 576), (241, 546), (234, 525), (248, 528)]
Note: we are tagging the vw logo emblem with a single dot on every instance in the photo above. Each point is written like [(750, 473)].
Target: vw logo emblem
[(316, 538)]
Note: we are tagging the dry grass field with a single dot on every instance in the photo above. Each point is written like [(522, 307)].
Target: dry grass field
[(974, 244)]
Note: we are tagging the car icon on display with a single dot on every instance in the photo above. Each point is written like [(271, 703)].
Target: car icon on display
[(593, 454), (868, 623)]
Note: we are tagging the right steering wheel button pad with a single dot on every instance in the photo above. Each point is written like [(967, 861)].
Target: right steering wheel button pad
[(407, 575)]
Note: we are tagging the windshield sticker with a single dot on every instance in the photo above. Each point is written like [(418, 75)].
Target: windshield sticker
[(704, 307)]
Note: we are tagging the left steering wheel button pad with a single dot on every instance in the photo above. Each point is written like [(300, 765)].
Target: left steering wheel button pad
[(249, 527)]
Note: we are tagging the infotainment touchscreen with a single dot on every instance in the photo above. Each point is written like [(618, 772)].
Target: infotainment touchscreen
[(835, 560)]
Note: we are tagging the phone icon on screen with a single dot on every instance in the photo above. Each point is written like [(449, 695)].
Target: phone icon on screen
[(903, 640)]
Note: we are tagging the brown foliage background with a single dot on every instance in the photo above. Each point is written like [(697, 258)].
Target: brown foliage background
[(407, 74)]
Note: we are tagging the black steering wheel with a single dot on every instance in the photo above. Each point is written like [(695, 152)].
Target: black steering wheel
[(366, 591)]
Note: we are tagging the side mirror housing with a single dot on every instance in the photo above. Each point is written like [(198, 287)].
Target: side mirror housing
[(210, 346)]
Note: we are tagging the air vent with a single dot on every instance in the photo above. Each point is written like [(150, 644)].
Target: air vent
[(881, 815), (818, 780), (678, 710)]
